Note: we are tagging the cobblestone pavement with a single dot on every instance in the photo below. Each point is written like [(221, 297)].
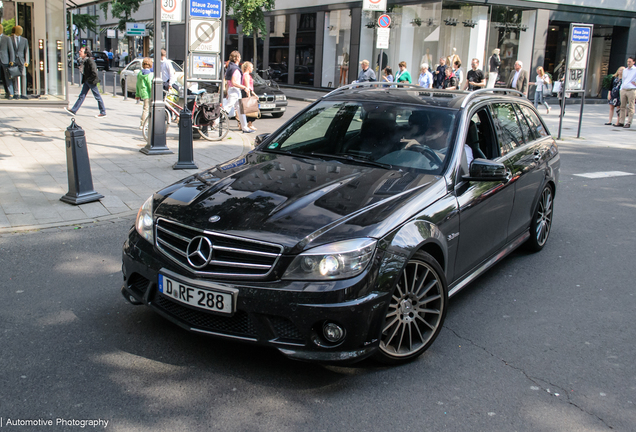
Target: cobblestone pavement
[(33, 169)]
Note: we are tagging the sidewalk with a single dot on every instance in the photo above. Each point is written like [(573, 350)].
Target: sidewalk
[(33, 174), (33, 171)]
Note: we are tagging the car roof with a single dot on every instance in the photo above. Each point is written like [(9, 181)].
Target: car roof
[(416, 95)]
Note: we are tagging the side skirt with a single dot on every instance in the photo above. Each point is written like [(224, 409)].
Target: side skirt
[(461, 283)]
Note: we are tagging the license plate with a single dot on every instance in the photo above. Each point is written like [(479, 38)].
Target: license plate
[(266, 106), (203, 298)]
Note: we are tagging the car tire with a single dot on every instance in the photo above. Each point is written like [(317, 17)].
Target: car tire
[(541, 223), (416, 311), (277, 115)]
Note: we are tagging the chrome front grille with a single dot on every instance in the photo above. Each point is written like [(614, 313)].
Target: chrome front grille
[(269, 98), (230, 256)]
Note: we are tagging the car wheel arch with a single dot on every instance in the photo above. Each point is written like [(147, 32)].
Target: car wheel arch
[(419, 235)]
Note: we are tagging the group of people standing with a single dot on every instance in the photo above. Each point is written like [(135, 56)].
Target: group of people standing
[(14, 51), (621, 96)]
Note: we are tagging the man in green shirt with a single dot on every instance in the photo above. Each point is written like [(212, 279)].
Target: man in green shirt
[(403, 75)]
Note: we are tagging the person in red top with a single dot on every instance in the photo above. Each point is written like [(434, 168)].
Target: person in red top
[(248, 82)]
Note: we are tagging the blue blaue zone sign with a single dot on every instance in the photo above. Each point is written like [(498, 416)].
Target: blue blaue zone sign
[(205, 8), (580, 34)]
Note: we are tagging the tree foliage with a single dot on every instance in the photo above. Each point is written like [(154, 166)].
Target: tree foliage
[(7, 25), (122, 9), (249, 13), (82, 22)]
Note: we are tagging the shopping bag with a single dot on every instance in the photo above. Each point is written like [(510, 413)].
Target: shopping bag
[(14, 71), (249, 105), (556, 88), (547, 90)]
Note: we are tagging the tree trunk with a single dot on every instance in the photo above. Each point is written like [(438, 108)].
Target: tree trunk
[(255, 34)]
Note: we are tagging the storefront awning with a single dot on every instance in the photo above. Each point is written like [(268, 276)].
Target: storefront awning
[(73, 4)]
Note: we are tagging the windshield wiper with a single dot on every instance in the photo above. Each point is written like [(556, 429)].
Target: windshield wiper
[(350, 158)]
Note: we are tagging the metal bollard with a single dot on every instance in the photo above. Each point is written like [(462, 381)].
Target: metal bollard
[(186, 151), (114, 83), (80, 181), (125, 87), (104, 80)]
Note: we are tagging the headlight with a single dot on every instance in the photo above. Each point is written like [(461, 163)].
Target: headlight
[(144, 222), (340, 260), (281, 97)]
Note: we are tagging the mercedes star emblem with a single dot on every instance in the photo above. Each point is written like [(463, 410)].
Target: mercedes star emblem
[(199, 252)]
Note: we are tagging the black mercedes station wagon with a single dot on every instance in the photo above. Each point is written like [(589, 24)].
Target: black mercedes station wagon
[(344, 234)]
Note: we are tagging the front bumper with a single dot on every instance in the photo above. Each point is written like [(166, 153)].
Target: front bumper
[(286, 315)]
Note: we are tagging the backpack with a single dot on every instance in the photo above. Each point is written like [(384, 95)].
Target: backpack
[(209, 113)]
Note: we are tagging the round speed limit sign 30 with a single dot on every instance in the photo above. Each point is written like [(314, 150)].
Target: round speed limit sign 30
[(169, 6)]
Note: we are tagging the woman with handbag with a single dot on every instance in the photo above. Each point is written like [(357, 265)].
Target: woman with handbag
[(248, 82), (614, 95), (234, 78), (542, 83)]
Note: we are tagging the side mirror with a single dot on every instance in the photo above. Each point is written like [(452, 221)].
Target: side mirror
[(486, 170), (260, 138)]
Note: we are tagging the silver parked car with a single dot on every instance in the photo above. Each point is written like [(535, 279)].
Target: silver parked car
[(133, 69)]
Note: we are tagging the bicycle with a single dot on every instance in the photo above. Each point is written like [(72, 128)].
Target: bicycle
[(215, 130)]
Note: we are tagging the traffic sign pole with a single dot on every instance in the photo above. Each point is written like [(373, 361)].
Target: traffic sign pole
[(157, 133)]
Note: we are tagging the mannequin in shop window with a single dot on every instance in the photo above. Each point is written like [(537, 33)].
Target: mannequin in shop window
[(493, 71), (21, 48), (344, 68), (427, 57), (451, 59)]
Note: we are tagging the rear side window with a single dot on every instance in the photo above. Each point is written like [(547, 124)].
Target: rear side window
[(535, 123), (528, 133), (508, 130)]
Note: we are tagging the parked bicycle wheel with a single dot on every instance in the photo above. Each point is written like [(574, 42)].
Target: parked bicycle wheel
[(215, 131), (146, 127)]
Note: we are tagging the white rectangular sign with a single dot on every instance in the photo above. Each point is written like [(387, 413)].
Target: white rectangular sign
[(374, 5), (578, 55), (204, 66), (205, 35), (111, 33), (172, 11), (382, 41)]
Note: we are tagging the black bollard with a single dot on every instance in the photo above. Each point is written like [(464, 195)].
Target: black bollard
[(186, 152), (78, 167)]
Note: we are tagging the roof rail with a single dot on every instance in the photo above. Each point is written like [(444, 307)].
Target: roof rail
[(489, 90), (371, 84)]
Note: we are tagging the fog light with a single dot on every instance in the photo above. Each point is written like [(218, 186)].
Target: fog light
[(333, 332)]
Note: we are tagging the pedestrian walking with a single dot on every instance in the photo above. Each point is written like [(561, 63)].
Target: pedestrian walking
[(458, 72), (475, 78), (234, 77), (7, 57), (88, 69), (542, 82), (519, 79), (440, 73), (614, 96), (403, 75), (248, 82), (388, 74), (450, 80), (366, 74), (493, 68), (426, 78), (168, 75), (628, 93), (144, 88)]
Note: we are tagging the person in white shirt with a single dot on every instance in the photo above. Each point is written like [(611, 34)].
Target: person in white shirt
[(628, 94), (168, 74), (426, 78)]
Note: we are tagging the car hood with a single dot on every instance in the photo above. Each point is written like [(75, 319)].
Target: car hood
[(297, 202)]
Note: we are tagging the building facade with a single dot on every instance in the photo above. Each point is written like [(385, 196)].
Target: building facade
[(321, 46)]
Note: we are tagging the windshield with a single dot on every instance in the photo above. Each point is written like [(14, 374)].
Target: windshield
[(258, 79), (398, 136)]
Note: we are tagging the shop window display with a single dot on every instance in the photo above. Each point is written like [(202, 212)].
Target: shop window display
[(336, 48)]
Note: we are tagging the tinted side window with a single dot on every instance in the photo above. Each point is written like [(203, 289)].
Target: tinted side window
[(508, 130), (527, 132), (535, 123)]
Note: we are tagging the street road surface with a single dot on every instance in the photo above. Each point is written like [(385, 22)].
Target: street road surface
[(542, 342)]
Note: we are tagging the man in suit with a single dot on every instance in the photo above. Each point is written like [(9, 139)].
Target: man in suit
[(21, 47), (519, 79), (7, 57)]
